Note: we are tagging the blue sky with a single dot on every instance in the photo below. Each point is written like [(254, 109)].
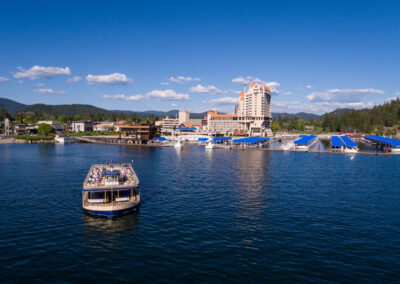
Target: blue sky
[(162, 55)]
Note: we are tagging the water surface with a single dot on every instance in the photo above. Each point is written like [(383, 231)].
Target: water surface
[(207, 215)]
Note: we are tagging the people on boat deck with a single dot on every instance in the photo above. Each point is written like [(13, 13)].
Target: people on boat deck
[(96, 176)]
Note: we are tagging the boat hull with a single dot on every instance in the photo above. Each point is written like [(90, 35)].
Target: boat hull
[(110, 213)]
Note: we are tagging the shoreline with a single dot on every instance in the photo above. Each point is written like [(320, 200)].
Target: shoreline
[(86, 141)]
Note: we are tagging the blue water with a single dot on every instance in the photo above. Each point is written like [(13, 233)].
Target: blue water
[(207, 216)]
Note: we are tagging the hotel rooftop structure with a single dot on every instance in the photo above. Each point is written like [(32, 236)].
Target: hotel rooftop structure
[(252, 115)]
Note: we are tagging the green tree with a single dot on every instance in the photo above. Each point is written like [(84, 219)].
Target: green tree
[(45, 129), (275, 126)]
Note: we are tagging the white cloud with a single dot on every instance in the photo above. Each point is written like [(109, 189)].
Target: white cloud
[(287, 93), (111, 79), (49, 91), (165, 83), (183, 79), (309, 87), (342, 95), (36, 72), (272, 85), (241, 80), (74, 79), (225, 100), (124, 97), (397, 93), (173, 105), (4, 79), (39, 85), (205, 89), (168, 95)]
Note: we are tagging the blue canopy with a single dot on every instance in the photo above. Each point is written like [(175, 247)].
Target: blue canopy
[(186, 128), (348, 141), (161, 139), (251, 140), (203, 139), (221, 139), (336, 142), (305, 140), (383, 140), (111, 173)]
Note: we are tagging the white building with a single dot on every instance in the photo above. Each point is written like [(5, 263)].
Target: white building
[(252, 115), (169, 124), (103, 126), (82, 126), (183, 116)]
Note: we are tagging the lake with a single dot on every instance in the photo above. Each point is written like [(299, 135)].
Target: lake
[(206, 216)]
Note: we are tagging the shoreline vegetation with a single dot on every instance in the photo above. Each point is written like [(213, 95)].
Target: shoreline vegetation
[(381, 119)]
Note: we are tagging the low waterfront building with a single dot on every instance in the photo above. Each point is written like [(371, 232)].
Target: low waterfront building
[(82, 126), (103, 126), (169, 124), (223, 124), (139, 132)]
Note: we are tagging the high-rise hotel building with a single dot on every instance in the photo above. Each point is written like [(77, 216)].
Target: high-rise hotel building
[(252, 115)]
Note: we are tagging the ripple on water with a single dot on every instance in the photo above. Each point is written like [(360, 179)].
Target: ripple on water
[(208, 216)]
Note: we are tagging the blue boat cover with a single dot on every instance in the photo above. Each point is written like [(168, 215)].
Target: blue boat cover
[(336, 142), (203, 139), (383, 140), (161, 139), (250, 140), (221, 139), (348, 141), (187, 128), (305, 140)]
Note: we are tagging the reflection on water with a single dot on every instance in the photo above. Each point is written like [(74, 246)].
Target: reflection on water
[(111, 225), (105, 233)]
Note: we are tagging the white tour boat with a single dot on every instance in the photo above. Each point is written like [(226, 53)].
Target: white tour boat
[(110, 189)]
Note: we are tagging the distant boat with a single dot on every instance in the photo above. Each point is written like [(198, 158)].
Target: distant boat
[(287, 146), (60, 138), (178, 144), (209, 145), (110, 190)]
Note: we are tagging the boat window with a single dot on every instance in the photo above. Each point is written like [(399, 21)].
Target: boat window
[(96, 195), (124, 193)]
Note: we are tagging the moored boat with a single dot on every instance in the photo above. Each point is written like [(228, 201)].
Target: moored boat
[(110, 189), (60, 138), (178, 144), (209, 145)]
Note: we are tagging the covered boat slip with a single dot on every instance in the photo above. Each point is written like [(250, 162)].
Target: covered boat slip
[(336, 143), (348, 142), (380, 141), (305, 140)]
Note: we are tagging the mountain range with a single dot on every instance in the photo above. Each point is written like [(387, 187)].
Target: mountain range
[(14, 107)]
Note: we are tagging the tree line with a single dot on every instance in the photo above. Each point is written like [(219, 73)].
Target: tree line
[(33, 118)]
